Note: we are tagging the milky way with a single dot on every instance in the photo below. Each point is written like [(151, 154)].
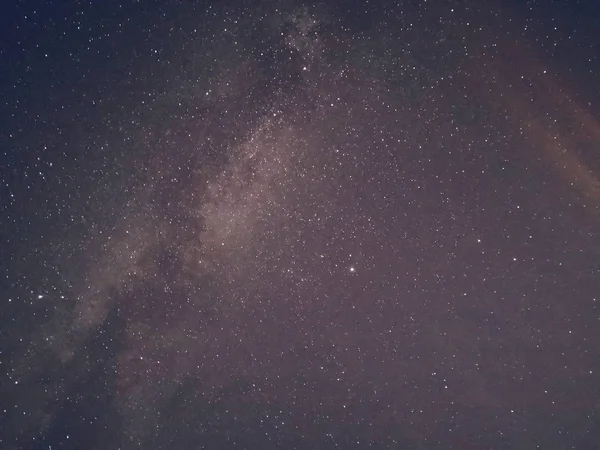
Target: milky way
[(290, 225)]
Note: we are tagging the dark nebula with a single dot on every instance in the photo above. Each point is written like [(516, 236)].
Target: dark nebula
[(300, 225)]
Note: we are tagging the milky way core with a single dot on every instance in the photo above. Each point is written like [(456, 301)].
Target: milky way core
[(301, 225)]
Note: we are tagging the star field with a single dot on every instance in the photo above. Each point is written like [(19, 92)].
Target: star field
[(299, 225)]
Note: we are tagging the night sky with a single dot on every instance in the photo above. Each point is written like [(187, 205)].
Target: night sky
[(299, 225)]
